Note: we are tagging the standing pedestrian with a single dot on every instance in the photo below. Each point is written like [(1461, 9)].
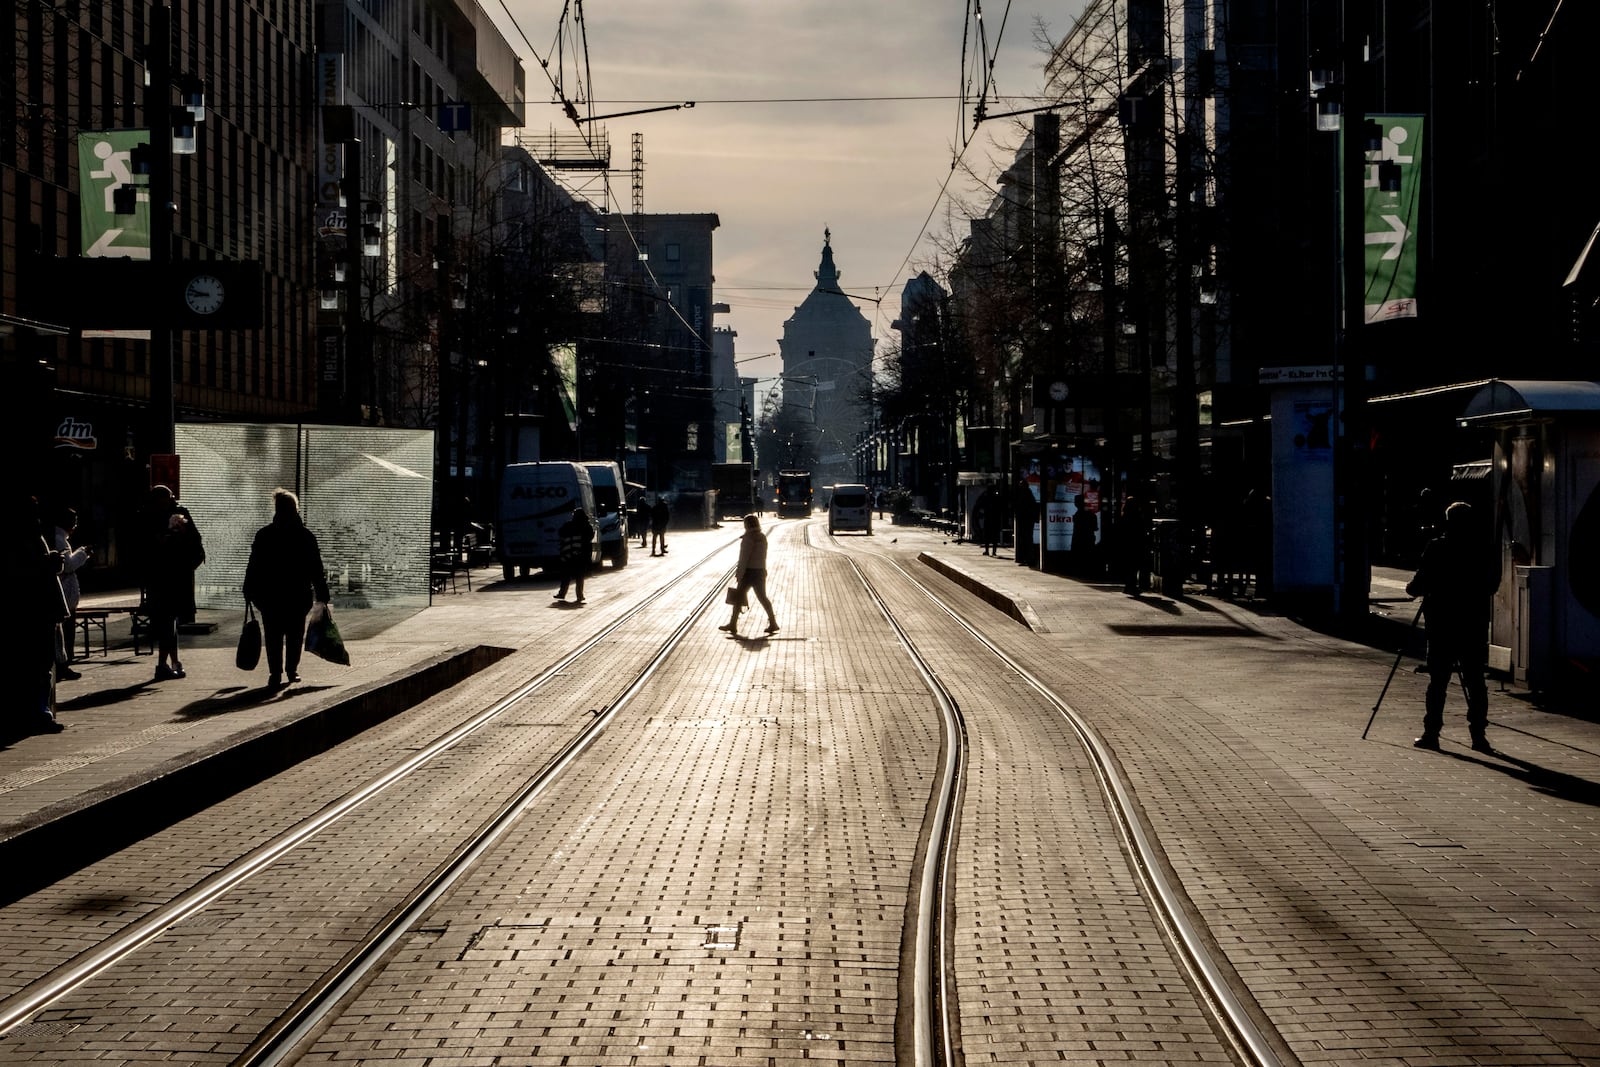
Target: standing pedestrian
[(282, 579), (1085, 524), (577, 534), (638, 517), (72, 560), (751, 574), (989, 515), (172, 552), (1133, 531), (32, 576), (660, 515), (1026, 515), (1456, 578)]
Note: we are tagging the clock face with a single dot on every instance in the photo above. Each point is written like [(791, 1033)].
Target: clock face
[(1058, 391), (204, 294)]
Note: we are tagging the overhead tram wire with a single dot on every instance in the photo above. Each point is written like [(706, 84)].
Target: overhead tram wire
[(570, 108), (966, 142), (576, 6), (985, 61)]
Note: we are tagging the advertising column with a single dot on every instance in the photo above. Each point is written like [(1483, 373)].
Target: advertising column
[(1305, 409)]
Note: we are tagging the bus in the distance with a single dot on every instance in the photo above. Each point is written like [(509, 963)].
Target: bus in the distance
[(794, 493)]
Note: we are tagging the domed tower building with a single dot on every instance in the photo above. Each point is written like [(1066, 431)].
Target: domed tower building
[(827, 377)]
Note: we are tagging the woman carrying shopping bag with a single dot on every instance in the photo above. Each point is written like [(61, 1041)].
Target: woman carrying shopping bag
[(283, 578)]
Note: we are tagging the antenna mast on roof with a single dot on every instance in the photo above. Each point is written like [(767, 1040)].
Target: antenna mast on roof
[(638, 174)]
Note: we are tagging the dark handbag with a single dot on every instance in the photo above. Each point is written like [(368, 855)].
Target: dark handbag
[(732, 597), (249, 651)]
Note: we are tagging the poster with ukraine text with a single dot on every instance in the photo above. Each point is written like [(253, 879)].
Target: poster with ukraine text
[(1392, 191)]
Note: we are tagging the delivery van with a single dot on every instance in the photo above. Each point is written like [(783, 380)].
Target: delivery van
[(611, 512), (535, 500), (850, 508)]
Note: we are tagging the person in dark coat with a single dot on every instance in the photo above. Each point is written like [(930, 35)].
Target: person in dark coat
[(1025, 514), (1085, 524), (1455, 580), (638, 516), (1133, 534), (989, 516), (660, 514), (577, 536), (171, 552), (32, 576), (283, 578)]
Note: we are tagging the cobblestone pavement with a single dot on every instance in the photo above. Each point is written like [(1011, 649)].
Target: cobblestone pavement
[(1381, 904)]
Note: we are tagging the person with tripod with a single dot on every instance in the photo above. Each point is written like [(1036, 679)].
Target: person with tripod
[(1456, 578)]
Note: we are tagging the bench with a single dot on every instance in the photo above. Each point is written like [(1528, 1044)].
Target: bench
[(937, 521), (442, 572), (88, 620)]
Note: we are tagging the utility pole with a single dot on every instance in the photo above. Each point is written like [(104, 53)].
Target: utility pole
[(1112, 402), (1185, 412), (157, 111), (1352, 575), (443, 417)]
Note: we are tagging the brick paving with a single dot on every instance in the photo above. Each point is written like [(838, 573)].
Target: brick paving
[(1383, 904), (723, 882), (729, 878)]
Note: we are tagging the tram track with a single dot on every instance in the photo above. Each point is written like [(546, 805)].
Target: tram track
[(928, 1003), (62, 980), (1247, 1030), (930, 1025), (932, 1016)]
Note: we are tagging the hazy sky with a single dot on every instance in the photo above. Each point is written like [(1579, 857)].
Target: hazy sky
[(777, 174)]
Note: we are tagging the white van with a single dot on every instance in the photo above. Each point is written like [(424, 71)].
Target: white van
[(610, 513), (850, 508), (535, 500)]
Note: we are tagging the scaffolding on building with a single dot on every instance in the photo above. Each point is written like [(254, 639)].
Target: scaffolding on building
[(579, 162)]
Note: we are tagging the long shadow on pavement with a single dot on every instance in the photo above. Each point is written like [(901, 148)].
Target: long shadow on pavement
[(104, 697), (236, 698), (1541, 779)]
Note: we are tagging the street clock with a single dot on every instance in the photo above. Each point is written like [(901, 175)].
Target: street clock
[(204, 294)]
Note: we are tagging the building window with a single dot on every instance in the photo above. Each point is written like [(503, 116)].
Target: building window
[(673, 253)]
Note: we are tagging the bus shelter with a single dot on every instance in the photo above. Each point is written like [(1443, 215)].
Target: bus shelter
[(1545, 485)]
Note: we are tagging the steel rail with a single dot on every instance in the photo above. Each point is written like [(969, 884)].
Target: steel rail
[(278, 1042), (1249, 1042), (20, 1006), (933, 1008)]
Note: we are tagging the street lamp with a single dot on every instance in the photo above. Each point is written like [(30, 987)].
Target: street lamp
[(371, 230)]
